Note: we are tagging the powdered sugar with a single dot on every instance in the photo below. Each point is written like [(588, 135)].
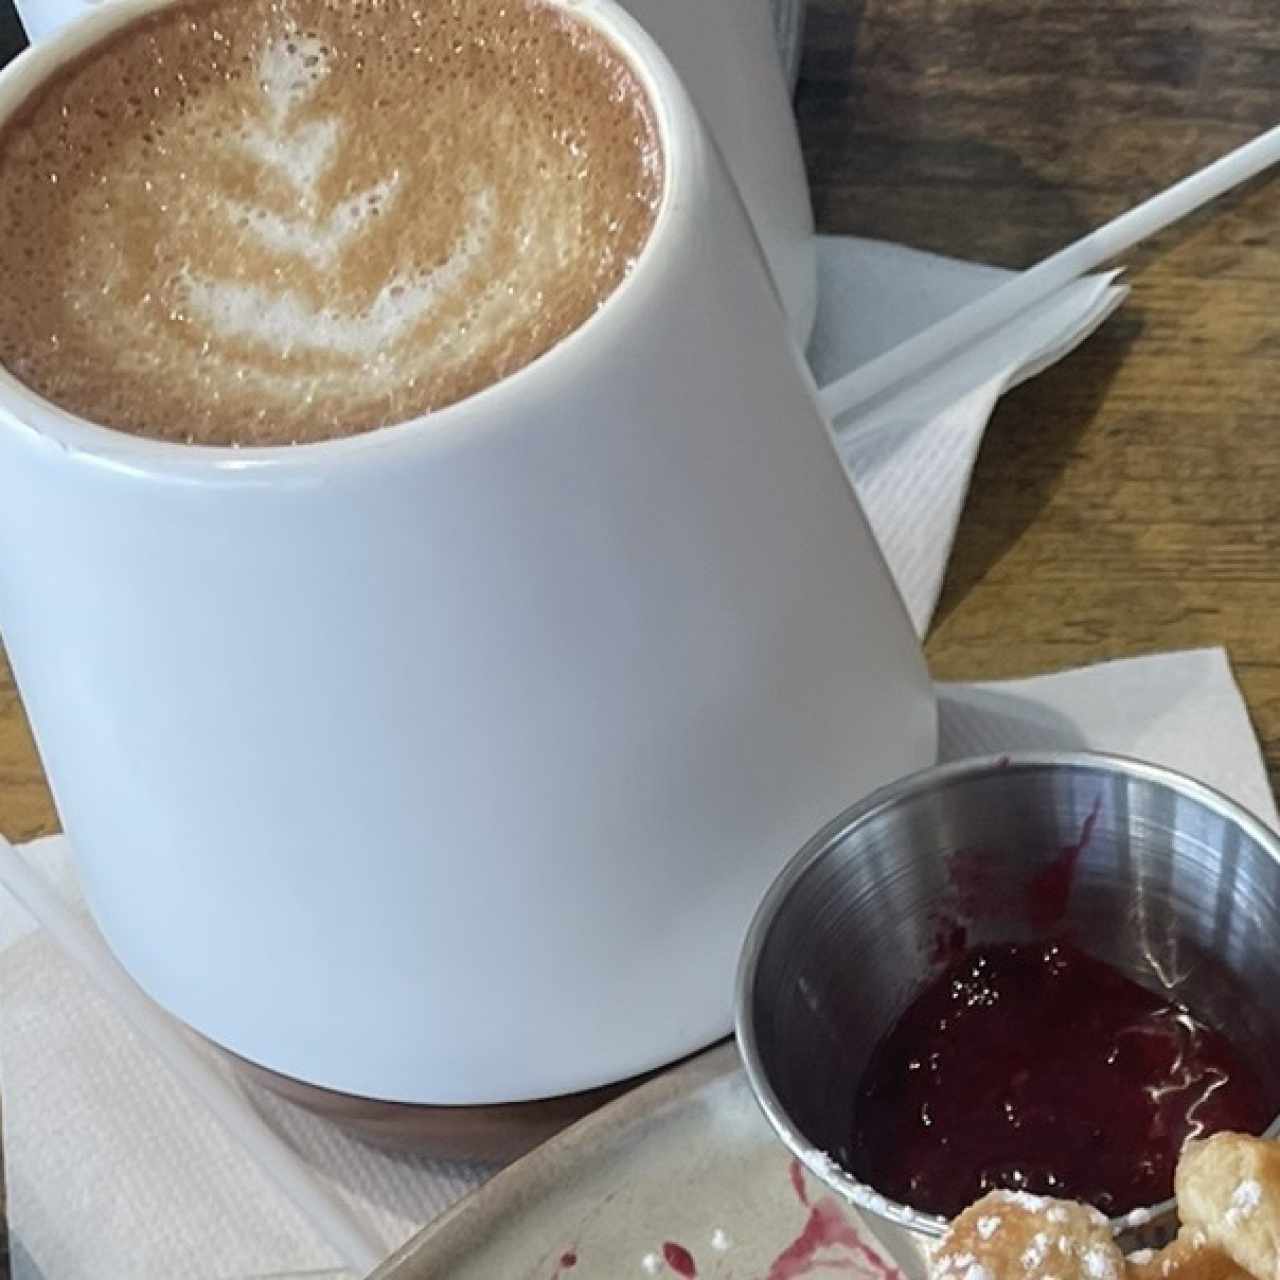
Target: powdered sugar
[(1023, 1199), (1036, 1252), (1244, 1200), (1099, 1264), (988, 1226)]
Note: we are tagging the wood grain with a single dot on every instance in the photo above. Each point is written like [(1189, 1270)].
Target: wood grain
[(1128, 500)]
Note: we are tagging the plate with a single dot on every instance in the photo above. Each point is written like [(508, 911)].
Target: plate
[(680, 1179)]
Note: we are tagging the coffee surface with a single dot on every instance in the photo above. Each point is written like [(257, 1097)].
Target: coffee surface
[(269, 221)]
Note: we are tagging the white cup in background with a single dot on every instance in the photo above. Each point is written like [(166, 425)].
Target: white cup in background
[(446, 763), (727, 54)]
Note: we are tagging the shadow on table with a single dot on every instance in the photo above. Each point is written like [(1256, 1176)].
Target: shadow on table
[(1029, 442), (975, 722), (21, 1262)]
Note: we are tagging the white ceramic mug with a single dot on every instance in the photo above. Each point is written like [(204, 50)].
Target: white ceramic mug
[(446, 763), (727, 52)]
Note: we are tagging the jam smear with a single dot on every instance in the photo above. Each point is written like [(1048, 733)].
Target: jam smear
[(1039, 1068)]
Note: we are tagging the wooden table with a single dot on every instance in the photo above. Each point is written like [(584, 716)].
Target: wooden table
[(1129, 499)]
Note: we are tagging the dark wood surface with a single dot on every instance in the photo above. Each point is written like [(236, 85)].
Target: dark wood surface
[(1128, 500)]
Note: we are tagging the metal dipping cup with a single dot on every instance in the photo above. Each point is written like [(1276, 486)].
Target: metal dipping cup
[(1169, 872)]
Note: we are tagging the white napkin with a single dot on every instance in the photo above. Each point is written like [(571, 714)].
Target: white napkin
[(911, 458), (113, 1172)]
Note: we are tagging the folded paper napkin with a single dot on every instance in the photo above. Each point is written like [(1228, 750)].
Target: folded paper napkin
[(114, 1172), (911, 457)]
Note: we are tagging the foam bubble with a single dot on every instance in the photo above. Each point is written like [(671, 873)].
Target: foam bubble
[(282, 320), (299, 155), (319, 238), (289, 69)]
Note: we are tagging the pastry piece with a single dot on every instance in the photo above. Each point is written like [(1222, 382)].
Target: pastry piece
[(1228, 1188), (1009, 1235), (1189, 1257)]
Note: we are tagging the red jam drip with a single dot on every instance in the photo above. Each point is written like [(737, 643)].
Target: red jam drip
[(1039, 1068)]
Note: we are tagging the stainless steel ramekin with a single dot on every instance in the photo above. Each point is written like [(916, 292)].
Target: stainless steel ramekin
[(1169, 872)]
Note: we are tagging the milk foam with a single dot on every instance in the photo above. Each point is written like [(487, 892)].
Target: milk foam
[(266, 220), (284, 321), (289, 69)]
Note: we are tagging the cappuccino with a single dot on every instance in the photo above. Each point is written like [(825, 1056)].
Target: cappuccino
[(269, 221)]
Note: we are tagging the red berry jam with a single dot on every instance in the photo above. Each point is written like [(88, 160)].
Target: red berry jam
[(1039, 1068)]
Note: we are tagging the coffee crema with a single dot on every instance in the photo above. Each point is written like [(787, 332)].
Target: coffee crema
[(270, 221)]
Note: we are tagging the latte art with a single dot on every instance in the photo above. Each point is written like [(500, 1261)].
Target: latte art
[(260, 221)]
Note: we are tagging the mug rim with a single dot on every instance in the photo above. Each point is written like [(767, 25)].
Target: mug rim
[(23, 408), (820, 846)]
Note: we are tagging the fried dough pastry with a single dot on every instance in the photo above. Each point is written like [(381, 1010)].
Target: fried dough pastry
[(1189, 1257), (1228, 1189), (1009, 1235)]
